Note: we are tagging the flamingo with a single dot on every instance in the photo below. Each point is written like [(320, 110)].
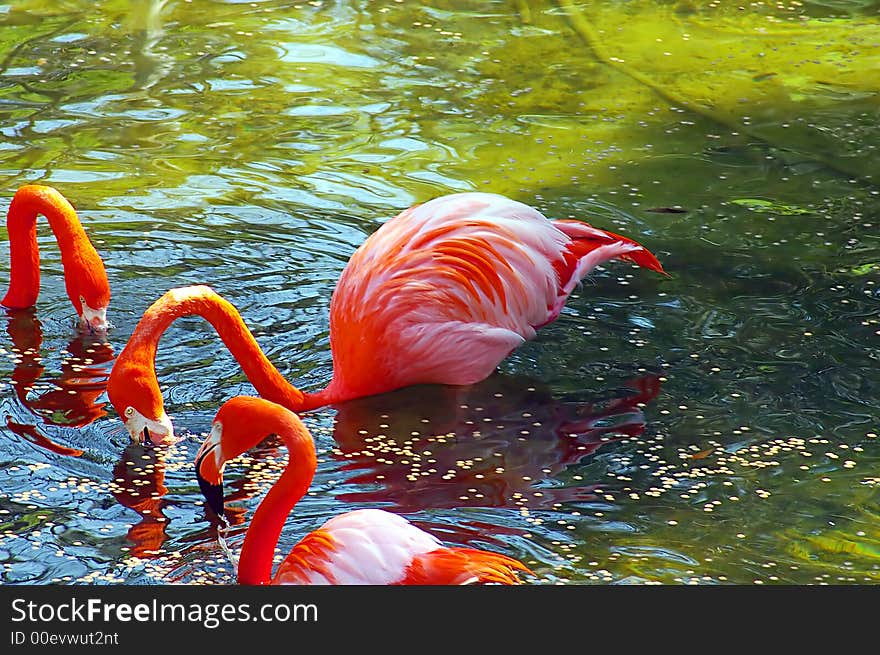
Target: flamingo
[(364, 546), (439, 294), (84, 275)]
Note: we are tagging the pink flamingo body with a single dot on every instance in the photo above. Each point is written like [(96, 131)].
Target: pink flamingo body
[(443, 292), (366, 546), (440, 294)]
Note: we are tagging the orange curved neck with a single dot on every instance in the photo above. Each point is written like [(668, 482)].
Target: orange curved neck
[(78, 256), (258, 549), (139, 355)]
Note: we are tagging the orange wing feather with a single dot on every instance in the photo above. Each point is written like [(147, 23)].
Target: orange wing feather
[(456, 566), (311, 555)]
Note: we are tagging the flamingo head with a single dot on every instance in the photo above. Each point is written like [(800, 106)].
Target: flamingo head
[(136, 397), (89, 291), (241, 423)]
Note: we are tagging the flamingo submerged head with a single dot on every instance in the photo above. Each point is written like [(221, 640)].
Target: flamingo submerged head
[(85, 278), (366, 546), (135, 395), (89, 292)]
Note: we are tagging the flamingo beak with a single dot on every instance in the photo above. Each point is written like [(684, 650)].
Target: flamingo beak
[(158, 432), (95, 319), (212, 492)]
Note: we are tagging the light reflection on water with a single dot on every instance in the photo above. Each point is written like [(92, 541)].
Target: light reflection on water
[(257, 157)]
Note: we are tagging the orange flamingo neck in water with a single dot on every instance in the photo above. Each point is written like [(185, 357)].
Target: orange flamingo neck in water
[(84, 272), (248, 425), (137, 360)]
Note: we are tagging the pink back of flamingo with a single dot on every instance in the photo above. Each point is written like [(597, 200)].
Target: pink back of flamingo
[(446, 290)]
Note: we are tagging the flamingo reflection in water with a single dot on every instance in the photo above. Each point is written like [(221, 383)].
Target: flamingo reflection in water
[(139, 484), (490, 444), (69, 399)]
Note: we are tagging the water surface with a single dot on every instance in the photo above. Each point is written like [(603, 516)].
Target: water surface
[(715, 427)]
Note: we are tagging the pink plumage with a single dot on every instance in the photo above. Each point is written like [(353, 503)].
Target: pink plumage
[(444, 291), (366, 546)]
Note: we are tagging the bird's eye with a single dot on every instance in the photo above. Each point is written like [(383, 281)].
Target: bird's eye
[(129, 411), (82, 299)]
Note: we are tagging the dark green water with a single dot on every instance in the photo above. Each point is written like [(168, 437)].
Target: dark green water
[(716, 427)]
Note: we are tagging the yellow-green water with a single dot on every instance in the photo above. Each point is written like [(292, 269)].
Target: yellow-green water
[(725, 420)]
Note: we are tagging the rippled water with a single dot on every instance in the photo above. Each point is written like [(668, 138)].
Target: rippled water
[(719, 426)]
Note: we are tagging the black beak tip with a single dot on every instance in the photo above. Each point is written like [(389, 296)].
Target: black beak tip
[(147, 439), (213, 493)]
